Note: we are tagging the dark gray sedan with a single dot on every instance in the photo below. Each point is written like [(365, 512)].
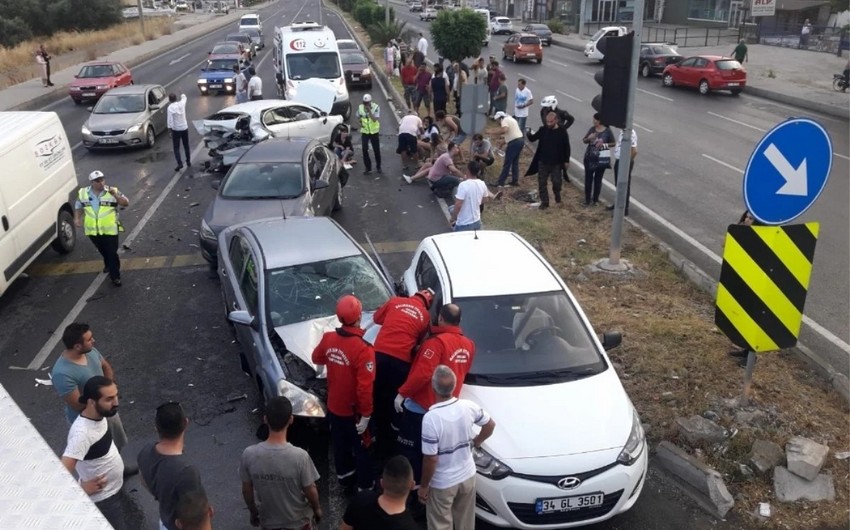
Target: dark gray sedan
[(275, 178), (542, 31), (281, 279)]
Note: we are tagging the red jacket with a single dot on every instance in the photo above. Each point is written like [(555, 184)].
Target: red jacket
[(351, 370), (404, 321), (446, 345)]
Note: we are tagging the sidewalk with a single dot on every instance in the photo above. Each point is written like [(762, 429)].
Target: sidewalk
[(786, 75), (31, 95)]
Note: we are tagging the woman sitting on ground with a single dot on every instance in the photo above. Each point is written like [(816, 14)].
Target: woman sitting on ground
[(429, 128), (438, 147)]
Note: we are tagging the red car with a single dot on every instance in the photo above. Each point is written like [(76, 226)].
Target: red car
[(707, 73), (523, 47), (95, 78)]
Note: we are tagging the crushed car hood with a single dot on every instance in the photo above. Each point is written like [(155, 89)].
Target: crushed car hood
[(302, 338), (317, 93)]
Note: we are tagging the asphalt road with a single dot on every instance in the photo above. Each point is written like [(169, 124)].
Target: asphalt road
[(689, 172), (164, 330)]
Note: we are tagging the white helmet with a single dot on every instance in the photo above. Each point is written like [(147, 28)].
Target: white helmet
[(549, 101), (367, 98), (94, 175)]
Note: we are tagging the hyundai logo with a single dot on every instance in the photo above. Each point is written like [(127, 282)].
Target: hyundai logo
[(569, 483)]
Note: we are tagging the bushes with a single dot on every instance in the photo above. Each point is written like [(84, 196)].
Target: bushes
[(367, 13), (40, 18), (556, 26)]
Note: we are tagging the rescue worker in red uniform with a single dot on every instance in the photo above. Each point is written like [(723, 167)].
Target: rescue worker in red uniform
[(445, 345), (350, 362), (404, 322)]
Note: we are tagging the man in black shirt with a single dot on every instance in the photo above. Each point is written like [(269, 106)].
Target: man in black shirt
[(370, 511), (165, 472), (553, 151)]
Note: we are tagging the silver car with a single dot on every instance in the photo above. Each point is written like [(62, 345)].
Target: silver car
[(280, 288), (128, 116)]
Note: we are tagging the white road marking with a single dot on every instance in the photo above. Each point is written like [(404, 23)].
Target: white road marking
[(559, 63), (737, 122), (722, 163), (639, 126), (177, 60), (659, 96), (83, 301), (588, 73), (569, 96), (528, 78)]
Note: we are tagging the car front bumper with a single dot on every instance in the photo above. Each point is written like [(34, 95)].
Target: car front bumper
[(510, 502), (216, 86), (109, 140), (87, 95), (209, 249)]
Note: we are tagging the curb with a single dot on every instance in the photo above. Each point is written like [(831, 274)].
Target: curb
[(62, 92), (700, 482)]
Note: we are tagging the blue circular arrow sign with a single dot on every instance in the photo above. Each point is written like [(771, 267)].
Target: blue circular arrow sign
[(787, 171)]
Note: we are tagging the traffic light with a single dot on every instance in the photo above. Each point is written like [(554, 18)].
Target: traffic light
[(614, 79)]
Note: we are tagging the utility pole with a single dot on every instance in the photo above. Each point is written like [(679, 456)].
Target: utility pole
[(387, 13), (626, 146), (141, 17)]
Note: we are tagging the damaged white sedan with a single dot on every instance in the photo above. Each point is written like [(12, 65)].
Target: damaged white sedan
[(280, 290)]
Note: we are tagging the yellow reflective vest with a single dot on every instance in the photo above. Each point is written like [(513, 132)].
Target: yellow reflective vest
[(104, 222), (368, 125)]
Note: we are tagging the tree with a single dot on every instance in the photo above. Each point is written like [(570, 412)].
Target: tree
[(458, 34)]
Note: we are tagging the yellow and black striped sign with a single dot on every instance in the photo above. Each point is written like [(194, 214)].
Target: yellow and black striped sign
[(763, 284)]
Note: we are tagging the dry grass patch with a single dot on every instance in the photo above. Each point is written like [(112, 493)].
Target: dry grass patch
[(68, 48), (670, 344)]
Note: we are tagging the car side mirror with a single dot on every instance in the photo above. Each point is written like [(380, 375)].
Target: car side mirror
[(611, 339), (242, 318), (76, 76), (215, 184), (318, 185)]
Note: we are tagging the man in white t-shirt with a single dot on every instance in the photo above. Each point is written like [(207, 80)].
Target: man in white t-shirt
[(91, 453), (422, 45), (633, 154), (448, 470), (409, 129), (255, 86), (469, 200), (522, 100)]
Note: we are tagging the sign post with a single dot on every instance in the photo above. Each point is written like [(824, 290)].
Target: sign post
[(763, 8)]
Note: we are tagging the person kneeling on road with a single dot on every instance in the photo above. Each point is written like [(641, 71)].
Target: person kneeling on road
[(443, 175)]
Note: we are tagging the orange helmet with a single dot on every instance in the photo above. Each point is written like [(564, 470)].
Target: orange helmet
[(348, 310), (427, 295)]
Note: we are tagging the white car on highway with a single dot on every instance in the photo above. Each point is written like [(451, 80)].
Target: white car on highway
[(569, 449), (501, 25), (428, 14)]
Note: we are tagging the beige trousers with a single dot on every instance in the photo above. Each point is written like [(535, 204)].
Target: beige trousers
[(452, 508)]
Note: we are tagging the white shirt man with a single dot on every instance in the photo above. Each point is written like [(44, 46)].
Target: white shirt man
[(408, 131), (522, 101), (422, 45), (620, 142), (255, 88), (470, 196), (176, 115)]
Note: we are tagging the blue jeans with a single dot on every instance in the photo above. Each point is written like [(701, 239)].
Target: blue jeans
[(521, 122), (465, 228), (445, 182), (512, 152)]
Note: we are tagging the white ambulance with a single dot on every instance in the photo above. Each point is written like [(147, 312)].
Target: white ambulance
[(308, 50)]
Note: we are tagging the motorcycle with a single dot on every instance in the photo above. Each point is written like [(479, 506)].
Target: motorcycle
[(839, 83)]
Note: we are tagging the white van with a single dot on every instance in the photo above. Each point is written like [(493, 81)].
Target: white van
[(308, 50), (37, 188), (251, 21), (485, 13), (590, 49)]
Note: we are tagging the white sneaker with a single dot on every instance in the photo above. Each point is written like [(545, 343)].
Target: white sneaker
[(407, 178)]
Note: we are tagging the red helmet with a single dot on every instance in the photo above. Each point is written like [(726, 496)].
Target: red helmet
[(427, 295), (348, 309)]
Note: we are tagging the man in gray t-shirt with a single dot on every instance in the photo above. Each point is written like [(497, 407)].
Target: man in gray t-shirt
[(279, 479)]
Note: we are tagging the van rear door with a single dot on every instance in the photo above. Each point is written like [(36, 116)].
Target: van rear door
[(8, 249)]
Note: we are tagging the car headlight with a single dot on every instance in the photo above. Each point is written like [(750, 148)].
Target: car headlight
[(366, 71), (228, 80), (207, 232), (202, 81), (74, 89), (102, 87), (303, 403), (135, 128), (85, 130), (340, 90), (635, 443), (490, 466)]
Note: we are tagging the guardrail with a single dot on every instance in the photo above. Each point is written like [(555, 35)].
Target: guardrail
[(684, 36), (820, 39)]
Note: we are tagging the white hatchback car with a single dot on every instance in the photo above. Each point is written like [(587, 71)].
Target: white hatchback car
[(569, 449), (501, 25)]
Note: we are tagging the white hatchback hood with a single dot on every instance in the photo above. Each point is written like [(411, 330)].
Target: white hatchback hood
[(317, 93), (303, 337), (584, 416)]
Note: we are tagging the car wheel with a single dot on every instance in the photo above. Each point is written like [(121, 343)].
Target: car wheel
[(346, 115), (540, 61), (645, 71), (77, 101), (150, 137), (513, 57), (704, 89), (504, 55), (66, 233), (667, 80), (736, 91)]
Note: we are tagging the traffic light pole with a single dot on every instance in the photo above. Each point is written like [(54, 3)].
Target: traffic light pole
[(626, 145)]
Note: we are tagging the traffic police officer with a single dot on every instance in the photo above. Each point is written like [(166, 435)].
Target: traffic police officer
[(446, 345), (404, 322), (350, 362), (370, 128), (96, 210)]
